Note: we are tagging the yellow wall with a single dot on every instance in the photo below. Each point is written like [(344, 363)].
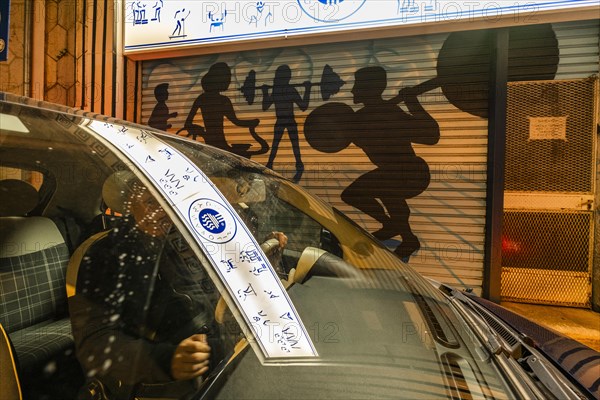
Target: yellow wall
[(66, 52)]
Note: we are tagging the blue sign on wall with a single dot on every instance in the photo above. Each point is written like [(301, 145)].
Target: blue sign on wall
[(160, 24), (4, 13)]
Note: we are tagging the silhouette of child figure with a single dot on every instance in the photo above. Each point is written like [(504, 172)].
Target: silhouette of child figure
[(284, 96), (160, 115), (385, 133), (214, 108)]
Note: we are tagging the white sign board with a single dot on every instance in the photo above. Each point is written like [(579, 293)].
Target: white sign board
[(160, 24), (234, 253), (547, 128)]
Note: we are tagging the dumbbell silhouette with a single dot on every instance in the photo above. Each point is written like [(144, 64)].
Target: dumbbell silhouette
[(330, 84)]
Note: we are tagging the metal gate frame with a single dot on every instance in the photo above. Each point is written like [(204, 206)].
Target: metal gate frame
[(535, 283)]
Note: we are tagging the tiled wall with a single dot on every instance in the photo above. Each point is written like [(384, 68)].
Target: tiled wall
[(60, 54), (52, 28), (12, 74)]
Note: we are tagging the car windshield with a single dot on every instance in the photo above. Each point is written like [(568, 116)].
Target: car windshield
[(139, 284)]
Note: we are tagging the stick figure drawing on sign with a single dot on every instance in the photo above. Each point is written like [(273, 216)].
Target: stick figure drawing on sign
[(180, 17)]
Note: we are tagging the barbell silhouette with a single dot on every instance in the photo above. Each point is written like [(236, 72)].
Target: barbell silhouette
[(463, 72), (330, 84)]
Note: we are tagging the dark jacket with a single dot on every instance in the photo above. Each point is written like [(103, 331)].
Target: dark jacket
[(137, 298)]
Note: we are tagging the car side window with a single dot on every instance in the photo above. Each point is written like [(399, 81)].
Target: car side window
[(142, 292), (34, 178)]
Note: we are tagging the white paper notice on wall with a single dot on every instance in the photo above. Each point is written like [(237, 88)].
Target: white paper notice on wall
[(235, 255), (543, 128)]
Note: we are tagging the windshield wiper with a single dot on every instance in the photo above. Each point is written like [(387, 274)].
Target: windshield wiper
[(518, 360), (547, 377), (493, 341)]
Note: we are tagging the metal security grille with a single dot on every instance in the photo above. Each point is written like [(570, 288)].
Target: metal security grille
[(547, 247), (547, 240), (547, 256), (549, 145)]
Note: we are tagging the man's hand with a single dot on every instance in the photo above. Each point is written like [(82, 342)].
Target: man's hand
[(190, 359), (281, 238)]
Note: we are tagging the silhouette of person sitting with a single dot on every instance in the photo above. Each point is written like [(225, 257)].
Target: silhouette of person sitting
[(214, 108), (160, 115), (284, 96), (385, 133), (142, 314)]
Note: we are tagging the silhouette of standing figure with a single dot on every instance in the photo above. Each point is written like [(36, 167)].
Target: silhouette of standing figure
[(284, 96), (215, 107), (385, 133), (160, 115)]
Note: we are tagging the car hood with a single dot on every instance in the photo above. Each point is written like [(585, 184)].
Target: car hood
[(574, 358), (372, 343)]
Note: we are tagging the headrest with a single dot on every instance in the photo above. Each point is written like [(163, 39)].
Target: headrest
[(25, 235), (118, 190), (18, 198)]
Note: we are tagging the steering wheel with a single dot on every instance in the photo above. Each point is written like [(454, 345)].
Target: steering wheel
[(307, 260), (270, 246), (314, 261)]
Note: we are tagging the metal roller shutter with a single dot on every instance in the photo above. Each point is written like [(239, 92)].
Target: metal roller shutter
[(579, 47), (448, 217)]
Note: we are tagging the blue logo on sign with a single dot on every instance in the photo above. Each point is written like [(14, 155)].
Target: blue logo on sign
[(212, 221), (330, 10)]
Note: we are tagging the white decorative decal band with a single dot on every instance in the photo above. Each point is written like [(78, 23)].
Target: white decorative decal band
[(234, 253)]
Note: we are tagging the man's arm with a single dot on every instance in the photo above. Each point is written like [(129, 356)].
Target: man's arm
[(267, 98), (424, 128), (104, 349), (189, 121), (230, 114), (304, 101)]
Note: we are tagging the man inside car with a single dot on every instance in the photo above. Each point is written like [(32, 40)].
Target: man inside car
[(142, 315)]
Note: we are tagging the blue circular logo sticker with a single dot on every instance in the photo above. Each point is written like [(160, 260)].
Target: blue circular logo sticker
[(330, 10), (212, 220)]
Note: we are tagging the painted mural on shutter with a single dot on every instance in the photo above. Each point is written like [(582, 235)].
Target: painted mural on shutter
[(393, 132), (579, 45)]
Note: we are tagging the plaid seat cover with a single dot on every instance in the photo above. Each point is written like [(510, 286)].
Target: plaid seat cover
[(39, 343), (32, 287), (33, 304)]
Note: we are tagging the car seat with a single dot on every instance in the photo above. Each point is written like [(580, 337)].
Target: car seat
[(10, 387), (115, 194), (33, 261)]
